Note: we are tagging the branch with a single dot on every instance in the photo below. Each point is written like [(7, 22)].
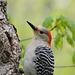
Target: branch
[(64, 66), (54, 27), (50, 30), (26, 39), (32, 37)]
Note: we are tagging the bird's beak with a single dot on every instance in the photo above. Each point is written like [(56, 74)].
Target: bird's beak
[(32, 26)]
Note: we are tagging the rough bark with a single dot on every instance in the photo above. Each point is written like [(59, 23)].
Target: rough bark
[(10, 50)]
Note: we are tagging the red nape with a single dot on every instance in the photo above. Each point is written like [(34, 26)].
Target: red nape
[(50, 38)]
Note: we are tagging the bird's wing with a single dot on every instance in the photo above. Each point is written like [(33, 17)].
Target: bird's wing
[(44, 61)]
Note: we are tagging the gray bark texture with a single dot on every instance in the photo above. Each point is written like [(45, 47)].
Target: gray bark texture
[(10, 50)]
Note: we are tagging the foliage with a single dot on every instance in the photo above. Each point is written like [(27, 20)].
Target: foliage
[(48, 22), (58, 42), (64, 27)]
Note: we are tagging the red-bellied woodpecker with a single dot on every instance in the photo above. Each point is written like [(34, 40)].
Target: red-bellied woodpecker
[(39, 59)]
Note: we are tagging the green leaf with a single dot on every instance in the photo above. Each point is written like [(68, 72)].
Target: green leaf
[(23, 49), (63, 21), (73, 36), (73, 58), (48, 22), (58, 41), (58, 19), (21, 62), (62, 29), (22, 53), (67, 22), (70, 40)]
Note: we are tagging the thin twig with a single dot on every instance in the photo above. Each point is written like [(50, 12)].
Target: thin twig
[(26, 39), (59, 36), (32, 37), (64, 66), (54, 27)]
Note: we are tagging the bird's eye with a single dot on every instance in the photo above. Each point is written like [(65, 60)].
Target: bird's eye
[(41, 32)]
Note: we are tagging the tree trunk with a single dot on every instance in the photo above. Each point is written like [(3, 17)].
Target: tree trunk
[(10, 50)]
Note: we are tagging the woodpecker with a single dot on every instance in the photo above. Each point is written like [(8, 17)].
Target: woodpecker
[(39, 58)]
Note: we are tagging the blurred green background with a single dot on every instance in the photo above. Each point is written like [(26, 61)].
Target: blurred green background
[(35, 11)]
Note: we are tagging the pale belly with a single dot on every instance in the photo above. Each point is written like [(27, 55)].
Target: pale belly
[(28, 64)]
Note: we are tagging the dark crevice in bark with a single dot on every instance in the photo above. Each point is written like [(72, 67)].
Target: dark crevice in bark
[(9, 38), (5, 57)]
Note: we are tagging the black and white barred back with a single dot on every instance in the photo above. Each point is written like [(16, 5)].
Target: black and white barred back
[(44, 61)]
